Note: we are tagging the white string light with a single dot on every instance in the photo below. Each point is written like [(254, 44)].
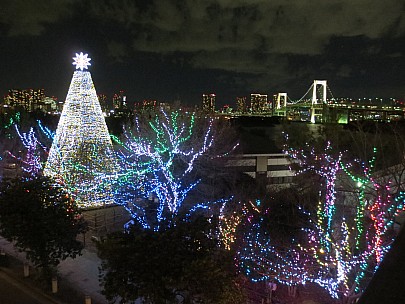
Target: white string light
[(82, 153)]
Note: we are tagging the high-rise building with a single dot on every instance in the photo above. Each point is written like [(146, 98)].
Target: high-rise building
[(120, 101), (241, 106), (28, 100), (208, 103), (259, 103)]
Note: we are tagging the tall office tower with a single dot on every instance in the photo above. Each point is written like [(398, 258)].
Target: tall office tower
[(241, 106), (258, 103), (81, 157), (120, 101), (274, 101), (36, 98), (208, 103)]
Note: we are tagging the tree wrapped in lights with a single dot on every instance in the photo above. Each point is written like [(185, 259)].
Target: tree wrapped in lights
[(346, 246), (157, 165), (8, 123), (31, 151), (260, 260), (229, 220), (376, 205), (329, 242), (326, 165), (263, 257), (48, 133), (32, 160), (82, 152)]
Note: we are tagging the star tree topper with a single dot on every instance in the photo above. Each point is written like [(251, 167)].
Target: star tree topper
[(81, 61)]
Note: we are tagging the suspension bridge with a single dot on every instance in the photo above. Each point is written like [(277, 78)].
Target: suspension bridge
[(318, 105)]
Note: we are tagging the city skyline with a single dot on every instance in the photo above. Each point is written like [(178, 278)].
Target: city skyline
[(168, 50)]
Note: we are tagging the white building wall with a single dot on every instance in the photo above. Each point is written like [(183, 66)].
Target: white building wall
[(275, 167)]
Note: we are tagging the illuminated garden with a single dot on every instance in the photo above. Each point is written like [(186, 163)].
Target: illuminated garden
[(199, 231)]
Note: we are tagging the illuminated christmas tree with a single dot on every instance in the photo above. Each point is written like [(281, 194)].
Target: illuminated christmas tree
[(82, 153)]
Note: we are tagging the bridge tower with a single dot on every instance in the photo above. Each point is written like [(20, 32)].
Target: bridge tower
[(280, 107), (318, 100)]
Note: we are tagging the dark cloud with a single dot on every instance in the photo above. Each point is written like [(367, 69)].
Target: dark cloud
[(254, 37), (118, 51), (254, 45), (30, 17), (294, 27)]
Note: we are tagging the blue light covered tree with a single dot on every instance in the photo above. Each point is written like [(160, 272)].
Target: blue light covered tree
[(157, 160)]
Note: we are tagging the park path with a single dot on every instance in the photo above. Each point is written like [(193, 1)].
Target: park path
[(82, 273)]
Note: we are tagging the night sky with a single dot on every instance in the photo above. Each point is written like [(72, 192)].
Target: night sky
[(179, 49)]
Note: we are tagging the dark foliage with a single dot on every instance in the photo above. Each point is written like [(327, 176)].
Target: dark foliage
[(177, 264), (41, 219)]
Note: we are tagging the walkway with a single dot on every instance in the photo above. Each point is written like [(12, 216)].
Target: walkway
[(81, 272)]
